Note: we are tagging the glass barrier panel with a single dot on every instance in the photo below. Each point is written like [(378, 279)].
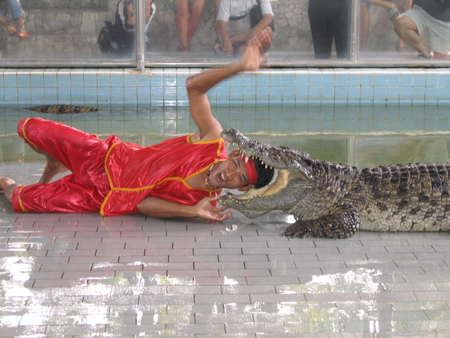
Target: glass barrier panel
[(397, 29), (66, 30), (378, 38), (189, 33), (214, 30)]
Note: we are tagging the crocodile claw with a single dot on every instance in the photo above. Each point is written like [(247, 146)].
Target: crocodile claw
[(295, 230)]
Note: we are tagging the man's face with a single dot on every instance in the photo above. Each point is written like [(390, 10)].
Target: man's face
[(231, 174)]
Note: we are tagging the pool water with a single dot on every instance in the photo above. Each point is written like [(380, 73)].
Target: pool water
[(361, 136)]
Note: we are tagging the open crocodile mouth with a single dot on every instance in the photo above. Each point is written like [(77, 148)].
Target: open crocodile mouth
[(252, 149), (280, 181)]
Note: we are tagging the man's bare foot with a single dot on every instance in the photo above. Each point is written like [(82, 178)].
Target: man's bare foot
[(439, 56), (52, 169), (7, 185)]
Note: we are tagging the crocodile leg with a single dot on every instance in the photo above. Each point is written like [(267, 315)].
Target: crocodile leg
[(342, 223)]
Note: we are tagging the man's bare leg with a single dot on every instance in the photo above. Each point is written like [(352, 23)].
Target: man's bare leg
[(52, 168), (382, 3), (182, 23), (407, 30), (8, 186), (195, 15), (364, 26)]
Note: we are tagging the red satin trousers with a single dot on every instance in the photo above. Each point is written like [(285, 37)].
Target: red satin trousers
[(83, 154)]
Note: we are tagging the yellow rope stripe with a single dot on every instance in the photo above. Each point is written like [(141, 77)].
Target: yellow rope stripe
[(106, 167), (20, 200), (25, 134), (102, 207), (111, 185), (217, 140), (148, 187)]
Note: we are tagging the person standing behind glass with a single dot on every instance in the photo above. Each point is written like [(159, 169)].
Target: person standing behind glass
[(329, 21), (187, 17), (431, 15), (234, 28), (18, 15), (393, 8)]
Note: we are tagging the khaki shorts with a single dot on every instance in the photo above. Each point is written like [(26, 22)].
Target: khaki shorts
[(438, 30)]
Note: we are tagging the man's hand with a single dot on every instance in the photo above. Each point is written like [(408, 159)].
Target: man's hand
[(227, 47), (260, 39), (205, 210), (251, 59), (161, 208)]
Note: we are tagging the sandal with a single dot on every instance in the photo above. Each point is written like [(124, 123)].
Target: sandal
[(11, 29), (423, 56), (393, 13), (23, 33)]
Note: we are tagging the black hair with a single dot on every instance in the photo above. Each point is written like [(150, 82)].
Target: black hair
[(264, 174)]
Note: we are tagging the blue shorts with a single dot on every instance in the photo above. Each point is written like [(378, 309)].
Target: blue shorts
[(366, 3), (15, 8)]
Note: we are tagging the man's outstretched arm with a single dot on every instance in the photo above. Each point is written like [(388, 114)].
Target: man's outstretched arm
[(160, 208), (198, 85)]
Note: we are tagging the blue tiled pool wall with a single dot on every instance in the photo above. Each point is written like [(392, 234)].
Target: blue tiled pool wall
[(274, 87)]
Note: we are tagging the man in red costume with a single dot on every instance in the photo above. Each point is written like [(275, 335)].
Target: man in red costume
[(180, 177)]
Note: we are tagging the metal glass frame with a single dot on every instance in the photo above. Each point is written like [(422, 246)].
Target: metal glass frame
[(140, 62)]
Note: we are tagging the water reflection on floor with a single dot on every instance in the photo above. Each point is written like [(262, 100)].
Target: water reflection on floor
[(81, 275)]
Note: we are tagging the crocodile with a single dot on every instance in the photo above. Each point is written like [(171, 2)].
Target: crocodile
[(336, 200), (61, 109)]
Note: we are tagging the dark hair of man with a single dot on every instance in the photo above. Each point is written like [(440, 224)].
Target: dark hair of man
[(264, 174)]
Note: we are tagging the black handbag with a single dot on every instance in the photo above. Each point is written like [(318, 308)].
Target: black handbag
[(444, 3), (256, 16), (104, 38)]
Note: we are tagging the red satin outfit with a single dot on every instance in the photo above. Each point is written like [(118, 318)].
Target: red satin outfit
[(112, 176)]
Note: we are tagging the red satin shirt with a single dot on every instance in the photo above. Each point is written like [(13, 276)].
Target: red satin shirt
[(135, 172)]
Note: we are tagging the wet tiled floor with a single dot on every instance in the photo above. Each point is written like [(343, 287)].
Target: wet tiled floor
[(82, 275)]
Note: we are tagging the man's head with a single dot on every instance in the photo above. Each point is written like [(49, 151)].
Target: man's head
[(240, 172), (264, 174)]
